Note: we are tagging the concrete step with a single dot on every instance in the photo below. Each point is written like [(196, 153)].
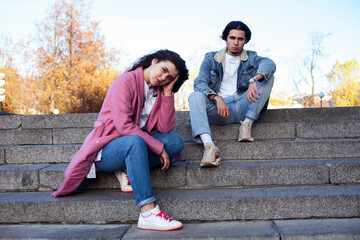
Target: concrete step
[(346, 228), (261, 131), (189, 175), (296, 115), (59, 136), (310, 114), (63, 231), (109, 206), (79, 120), (282, 130), (281, 149), (230, 150), (86, 120)]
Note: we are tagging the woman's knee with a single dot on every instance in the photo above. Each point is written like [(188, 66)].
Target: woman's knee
[(136, 142), (179, 141), (136, 152), (176, 144), (122, 146)]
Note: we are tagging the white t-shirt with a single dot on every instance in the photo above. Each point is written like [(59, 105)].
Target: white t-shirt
[(228, 86), (150, 95)]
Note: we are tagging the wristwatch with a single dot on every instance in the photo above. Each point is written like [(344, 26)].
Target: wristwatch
[(253, 80)]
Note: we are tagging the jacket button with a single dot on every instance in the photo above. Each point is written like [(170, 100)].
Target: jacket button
[(97, 141)]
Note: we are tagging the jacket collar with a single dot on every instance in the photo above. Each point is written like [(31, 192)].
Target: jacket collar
[(220, 55), (139, 77)]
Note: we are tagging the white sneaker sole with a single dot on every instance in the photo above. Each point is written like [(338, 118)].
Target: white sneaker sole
[(246, 139), (215, 163), (159, 229)]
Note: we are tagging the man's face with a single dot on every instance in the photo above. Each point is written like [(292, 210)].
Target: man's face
[(235, 42)]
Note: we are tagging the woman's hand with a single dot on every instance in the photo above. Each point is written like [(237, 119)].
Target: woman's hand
[(164, 159), (167, 89), (223, 110), (251, 96)]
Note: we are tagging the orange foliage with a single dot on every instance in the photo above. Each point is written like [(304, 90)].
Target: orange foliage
[(346, 80), (75, 70)]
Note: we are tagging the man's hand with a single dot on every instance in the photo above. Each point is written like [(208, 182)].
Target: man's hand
[(223, 110), (251, 96), (167, 89), (164, 159)]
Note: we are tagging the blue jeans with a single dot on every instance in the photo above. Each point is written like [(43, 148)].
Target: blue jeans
[(204, 112), (131, 152)]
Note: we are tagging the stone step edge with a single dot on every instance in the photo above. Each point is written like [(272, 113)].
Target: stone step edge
[(284, 149), (299, 149), (189, 175), (278, 229), (297, 140), (211, 205), (261, 132), (271, 115)]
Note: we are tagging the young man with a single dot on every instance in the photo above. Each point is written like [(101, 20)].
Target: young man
[(233, 86)]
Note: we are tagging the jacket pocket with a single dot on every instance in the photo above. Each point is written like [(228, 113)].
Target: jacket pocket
[(247, 73), (214, 79)]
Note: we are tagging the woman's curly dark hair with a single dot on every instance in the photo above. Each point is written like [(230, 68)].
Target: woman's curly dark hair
[(165, 55)]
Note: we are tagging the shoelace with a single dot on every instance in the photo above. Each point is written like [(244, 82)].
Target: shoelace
[(164, 216), (127, 177)]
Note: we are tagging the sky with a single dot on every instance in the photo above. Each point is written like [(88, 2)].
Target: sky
[(281, 29)]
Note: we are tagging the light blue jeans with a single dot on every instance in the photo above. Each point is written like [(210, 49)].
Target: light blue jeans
[(204, 112), (131, 152)]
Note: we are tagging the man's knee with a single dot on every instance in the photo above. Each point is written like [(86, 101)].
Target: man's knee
[(272, 79), (266, 85), (196, 97), (265, 107)]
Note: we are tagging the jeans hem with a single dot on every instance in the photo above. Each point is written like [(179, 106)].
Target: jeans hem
[(197, 138), (146, 201), (253, 116)]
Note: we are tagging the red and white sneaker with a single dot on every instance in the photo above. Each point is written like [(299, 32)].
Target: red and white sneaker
[(158, 220), (124, 181)]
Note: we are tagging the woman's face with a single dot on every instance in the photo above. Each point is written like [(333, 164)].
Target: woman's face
[(161, 73)]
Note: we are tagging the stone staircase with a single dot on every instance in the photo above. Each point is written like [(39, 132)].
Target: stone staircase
[(300, 179)]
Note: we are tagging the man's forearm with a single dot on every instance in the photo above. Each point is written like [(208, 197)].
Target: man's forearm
[(258, 77), (211, 97)]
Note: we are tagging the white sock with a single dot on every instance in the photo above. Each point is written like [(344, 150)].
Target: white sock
[(249, 120), (147, 213), (205, 138)]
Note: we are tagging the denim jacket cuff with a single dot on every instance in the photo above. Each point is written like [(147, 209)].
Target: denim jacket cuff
[(266, 76), (209, 92)]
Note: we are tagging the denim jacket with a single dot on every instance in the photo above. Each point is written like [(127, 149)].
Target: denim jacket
[(212, 71)]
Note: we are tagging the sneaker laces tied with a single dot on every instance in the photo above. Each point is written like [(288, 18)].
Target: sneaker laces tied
[(164, 216)]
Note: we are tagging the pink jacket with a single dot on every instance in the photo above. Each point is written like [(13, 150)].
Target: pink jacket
[(118, 117)]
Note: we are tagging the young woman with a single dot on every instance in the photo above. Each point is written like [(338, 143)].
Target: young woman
[(133, 133)]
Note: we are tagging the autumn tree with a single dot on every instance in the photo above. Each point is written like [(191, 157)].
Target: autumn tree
[(74, 68), (279, 100), (18, 89), (309, 72), (181, 97), (346, 80)]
